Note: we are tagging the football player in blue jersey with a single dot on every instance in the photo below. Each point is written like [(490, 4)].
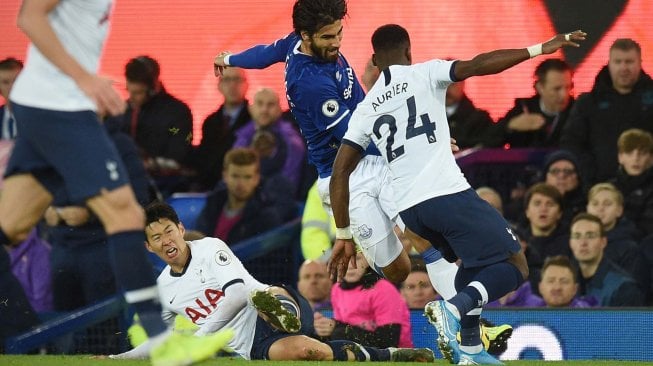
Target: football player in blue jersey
[(322, 91)]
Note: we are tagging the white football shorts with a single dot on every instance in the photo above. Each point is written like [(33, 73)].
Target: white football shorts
[(372, 210)]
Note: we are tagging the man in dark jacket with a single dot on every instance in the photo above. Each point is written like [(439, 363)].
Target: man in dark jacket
[(599, 277), (470, 126), (538, 121), (219, 128), (160, 124), (244, 206), (622, 98)]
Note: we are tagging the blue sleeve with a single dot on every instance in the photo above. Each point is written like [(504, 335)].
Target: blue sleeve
[(262, 56)]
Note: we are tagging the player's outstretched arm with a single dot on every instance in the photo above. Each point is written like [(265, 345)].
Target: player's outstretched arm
[(496, 61), (343, 249), (256, 57)]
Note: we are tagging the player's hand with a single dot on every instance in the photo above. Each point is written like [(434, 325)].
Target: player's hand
[(563, 40), (218, 63), (454, 147), (323, 326), (102, 92), (343, 253)]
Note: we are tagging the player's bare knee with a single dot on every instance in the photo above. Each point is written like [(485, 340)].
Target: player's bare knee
[(313, 354), (398, 270)]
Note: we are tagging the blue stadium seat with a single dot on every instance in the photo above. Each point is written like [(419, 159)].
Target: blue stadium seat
[(188, 207)]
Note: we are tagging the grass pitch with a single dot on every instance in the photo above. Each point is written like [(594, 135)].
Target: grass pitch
[(82, 360)]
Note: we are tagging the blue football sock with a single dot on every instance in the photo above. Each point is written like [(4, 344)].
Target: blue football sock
[(498, 279), (470, 333), (361, 353), (135, 276)]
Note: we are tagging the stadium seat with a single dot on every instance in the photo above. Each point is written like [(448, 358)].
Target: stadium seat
[(188, 207)]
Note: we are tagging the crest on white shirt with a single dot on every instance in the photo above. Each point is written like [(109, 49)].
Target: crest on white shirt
[(222, 258)]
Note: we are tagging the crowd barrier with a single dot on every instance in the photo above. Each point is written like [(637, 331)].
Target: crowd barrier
[(568, 334)]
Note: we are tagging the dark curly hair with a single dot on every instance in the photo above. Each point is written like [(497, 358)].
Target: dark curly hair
[(311, 15)]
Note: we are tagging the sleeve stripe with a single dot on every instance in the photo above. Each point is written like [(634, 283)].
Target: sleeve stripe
[(232, 282), (354, 145), (338, 120), (388, 77), (452, 74)]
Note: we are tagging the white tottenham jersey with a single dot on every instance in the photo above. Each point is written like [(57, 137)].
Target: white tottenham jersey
[(198, 292), (404, 114), (82, 27)]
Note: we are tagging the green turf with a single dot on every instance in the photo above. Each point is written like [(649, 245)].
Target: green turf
[(224, 361)]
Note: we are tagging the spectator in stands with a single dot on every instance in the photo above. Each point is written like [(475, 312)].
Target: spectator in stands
[(606, 202), (81, 269), (9, 70), (417, 289), (545, 233), (30, 263), (619, 100), (559, 285), (30, 259), (246, 205), (635, 177), (469, 125), (600, 278), (17, 314), (286, 153), (538, 121), (318, 228), (561, 171), (366, 309), (218, 129), (314, 284), (160, 124)]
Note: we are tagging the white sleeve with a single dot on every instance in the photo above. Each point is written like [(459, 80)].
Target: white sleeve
[(440, 72), (354, 132), (235, 299)]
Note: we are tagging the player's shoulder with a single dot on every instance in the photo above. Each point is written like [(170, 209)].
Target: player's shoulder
[(213, 249), (303, 69), (207, 244)]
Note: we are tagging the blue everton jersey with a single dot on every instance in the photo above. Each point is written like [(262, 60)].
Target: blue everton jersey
[(322, 95)]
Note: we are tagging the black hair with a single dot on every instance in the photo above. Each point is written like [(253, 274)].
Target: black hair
[(311, 15), (143, 69), (11, 63), (549, 64), (390, 37), (156, 211)]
